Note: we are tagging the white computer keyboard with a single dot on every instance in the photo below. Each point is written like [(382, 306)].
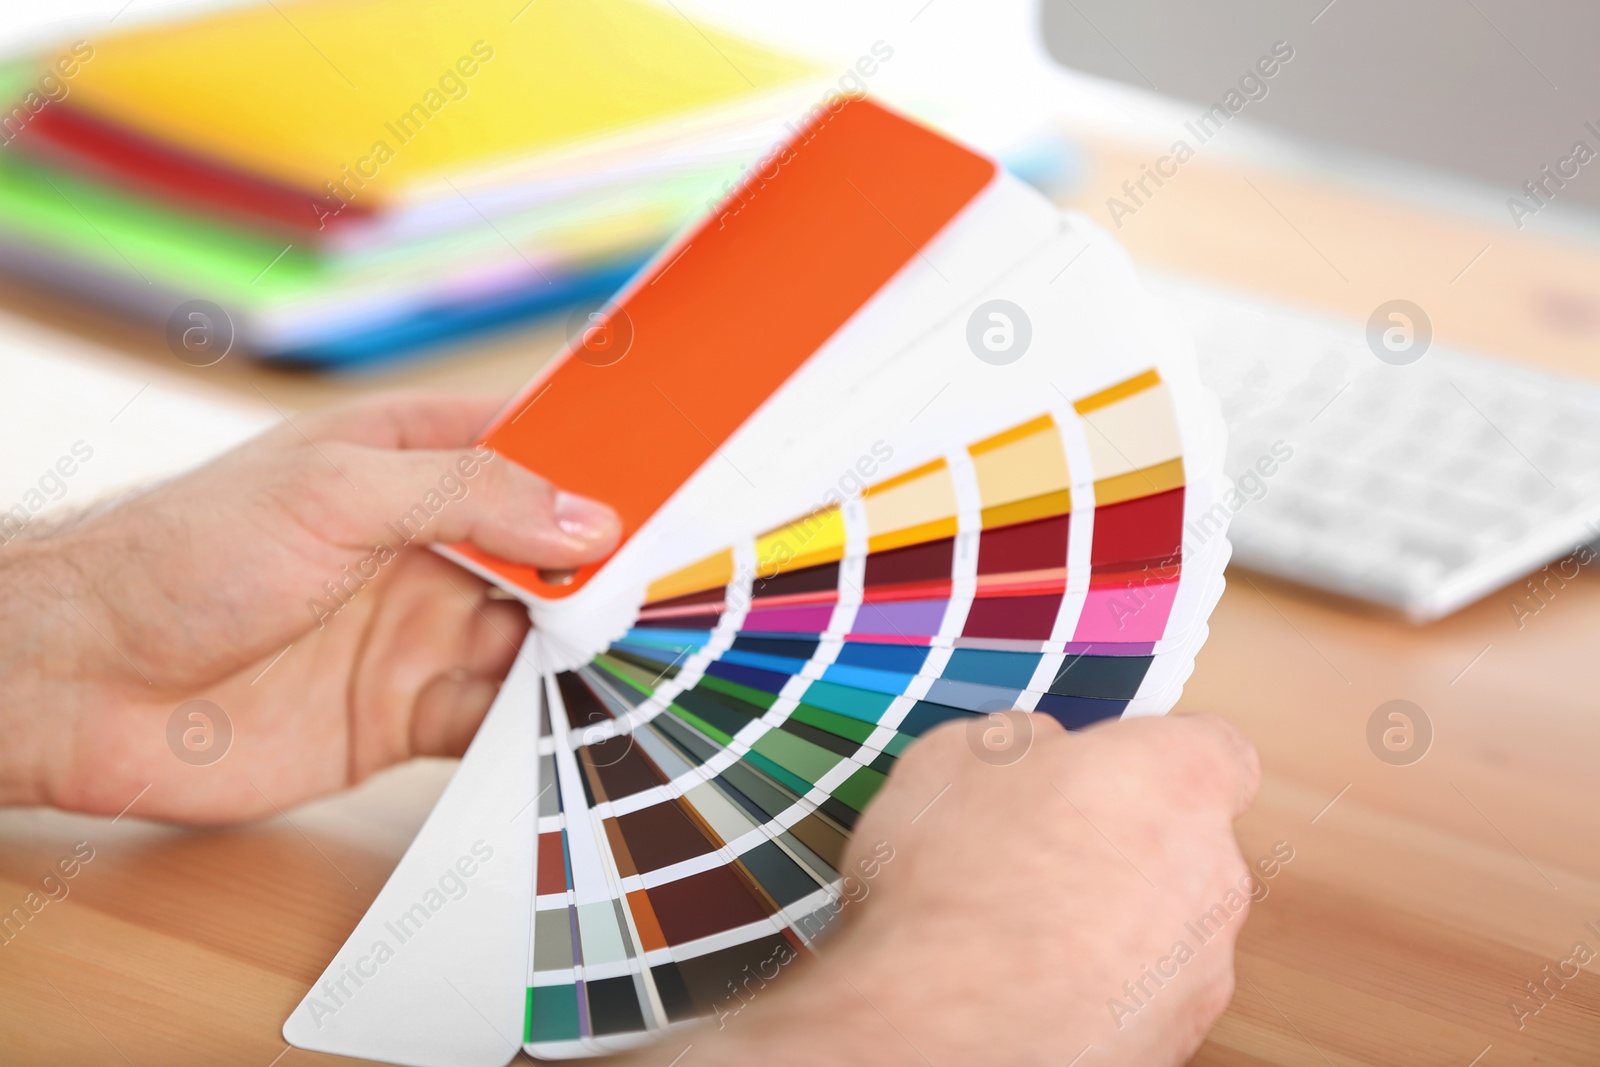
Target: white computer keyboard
[(1421, 486)]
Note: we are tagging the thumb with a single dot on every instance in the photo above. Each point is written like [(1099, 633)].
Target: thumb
[(444, 496), (1234, 764)]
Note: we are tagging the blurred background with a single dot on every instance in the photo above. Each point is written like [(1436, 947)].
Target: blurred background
[(1484, 89)]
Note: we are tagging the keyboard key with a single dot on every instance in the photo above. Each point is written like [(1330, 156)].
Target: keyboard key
[(1414, 475)]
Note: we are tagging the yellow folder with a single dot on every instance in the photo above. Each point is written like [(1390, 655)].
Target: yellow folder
[(397, 93)]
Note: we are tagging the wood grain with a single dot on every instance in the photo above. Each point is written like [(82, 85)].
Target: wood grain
[(1419, 899)]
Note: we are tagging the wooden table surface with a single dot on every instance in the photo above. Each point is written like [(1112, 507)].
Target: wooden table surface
[(1420, 898)]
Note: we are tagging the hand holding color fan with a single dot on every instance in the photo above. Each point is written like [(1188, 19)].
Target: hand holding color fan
[(692, 729)]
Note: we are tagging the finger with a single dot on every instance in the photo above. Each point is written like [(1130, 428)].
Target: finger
[(450, 706), (426, 496), (448, 711), (434, 656), (1237, 763), (397, 420)]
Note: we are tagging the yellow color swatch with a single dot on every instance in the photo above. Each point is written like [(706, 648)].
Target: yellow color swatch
[(1111, 394), (806, 542), (305, 91), (1132, 432), (1145, 482), (1022, 474), (917, 506), (713, 571), (1028, 509)]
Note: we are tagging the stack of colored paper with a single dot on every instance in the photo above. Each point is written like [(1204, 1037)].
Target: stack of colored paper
[(895, 444), (351, 178)]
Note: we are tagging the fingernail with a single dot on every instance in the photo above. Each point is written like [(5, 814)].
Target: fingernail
[(585, 519)]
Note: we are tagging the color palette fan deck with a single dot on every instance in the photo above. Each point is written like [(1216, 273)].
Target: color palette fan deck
[(711, 763), (844, 527)]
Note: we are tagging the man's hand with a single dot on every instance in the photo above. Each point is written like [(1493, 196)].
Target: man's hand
[(287, 583), (1021, 904)]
